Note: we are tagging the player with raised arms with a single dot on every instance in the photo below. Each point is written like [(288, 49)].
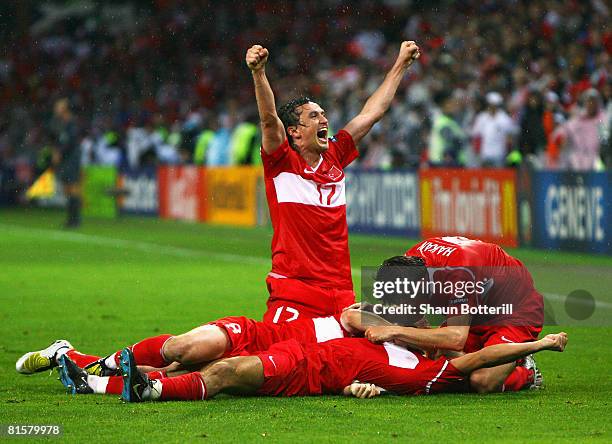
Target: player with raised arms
[(304, 177)]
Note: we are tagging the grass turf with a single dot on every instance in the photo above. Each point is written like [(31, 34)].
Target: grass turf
[(114, 282)]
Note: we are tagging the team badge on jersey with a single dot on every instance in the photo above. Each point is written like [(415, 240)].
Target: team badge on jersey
[(334, 173)]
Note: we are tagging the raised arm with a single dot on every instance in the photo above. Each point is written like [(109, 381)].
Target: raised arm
[(379, 102), (499, 354), (273, 132)]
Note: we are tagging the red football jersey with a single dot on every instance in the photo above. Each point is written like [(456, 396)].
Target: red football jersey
[(507, 280), (308, 212), (248, 336), (291, 368)]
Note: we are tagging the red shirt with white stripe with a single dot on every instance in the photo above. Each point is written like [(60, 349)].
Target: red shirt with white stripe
[(291, 368), (452, 258), (308, 212)]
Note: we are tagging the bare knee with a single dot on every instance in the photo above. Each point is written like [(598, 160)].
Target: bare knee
[(222, 376), (238, 375), (202, 344), (484, 382), (225, 369), (177, 348)]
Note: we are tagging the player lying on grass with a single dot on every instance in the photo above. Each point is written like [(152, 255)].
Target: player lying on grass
[(504, 279), (292, 369), (165, 354)]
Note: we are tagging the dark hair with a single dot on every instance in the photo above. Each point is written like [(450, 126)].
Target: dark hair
[(289, 115), (405, 261), (441, 97), (411, 267)]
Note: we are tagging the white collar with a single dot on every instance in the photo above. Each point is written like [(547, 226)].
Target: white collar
[(314, 170)]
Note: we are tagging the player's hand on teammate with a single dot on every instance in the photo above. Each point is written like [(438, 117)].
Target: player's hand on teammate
[(355, 306), (409, 52), (379, 334), (256, 57), (555, 342), (362, 390)]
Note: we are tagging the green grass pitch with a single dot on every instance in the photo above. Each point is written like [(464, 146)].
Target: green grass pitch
[(115, 282)]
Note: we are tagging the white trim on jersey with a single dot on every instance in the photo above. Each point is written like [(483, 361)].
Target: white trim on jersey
[(310, 170), (293, 188), (429, 384), (400, 357), (327, 329)]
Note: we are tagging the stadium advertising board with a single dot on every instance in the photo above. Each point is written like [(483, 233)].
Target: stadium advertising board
[(572, 211), (480, 204), (98, 200), (383, 202), (182, 192), (232, 195), (138, 191)]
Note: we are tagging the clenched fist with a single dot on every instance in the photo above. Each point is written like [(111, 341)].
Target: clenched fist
[(362, 390), (409, 52), (379, 334), (256, 57)]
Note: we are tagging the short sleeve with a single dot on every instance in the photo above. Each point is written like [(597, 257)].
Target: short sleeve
[(274, 163), (346, 151)]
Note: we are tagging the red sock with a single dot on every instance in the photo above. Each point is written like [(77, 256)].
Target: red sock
[(115, 383), (518, 379), (188, 387), (80, 359), (148, 352), (158, 374)]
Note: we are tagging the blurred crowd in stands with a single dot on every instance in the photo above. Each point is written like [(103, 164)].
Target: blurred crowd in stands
[(498, 83)]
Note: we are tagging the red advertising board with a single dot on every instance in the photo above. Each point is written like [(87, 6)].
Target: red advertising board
[(182, 192), (480, 204)]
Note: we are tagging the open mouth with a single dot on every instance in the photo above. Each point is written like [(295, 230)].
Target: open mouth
[(322, 135)]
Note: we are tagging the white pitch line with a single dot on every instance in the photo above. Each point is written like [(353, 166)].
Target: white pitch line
[(147, 247), (561, 298), (150, 247)]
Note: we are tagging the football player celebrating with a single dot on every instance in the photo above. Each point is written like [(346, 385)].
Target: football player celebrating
[(165, 355), (292, 369), (500, 282), (304, 177)]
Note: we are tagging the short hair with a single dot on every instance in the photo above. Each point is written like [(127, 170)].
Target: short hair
[(411, 267), (405, 261), (289, 115)]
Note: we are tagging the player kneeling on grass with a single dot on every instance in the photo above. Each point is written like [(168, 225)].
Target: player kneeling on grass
[(498, 280), (292, 369), (165, 355)]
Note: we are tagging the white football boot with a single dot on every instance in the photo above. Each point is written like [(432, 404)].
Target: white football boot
[(41, 360)]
